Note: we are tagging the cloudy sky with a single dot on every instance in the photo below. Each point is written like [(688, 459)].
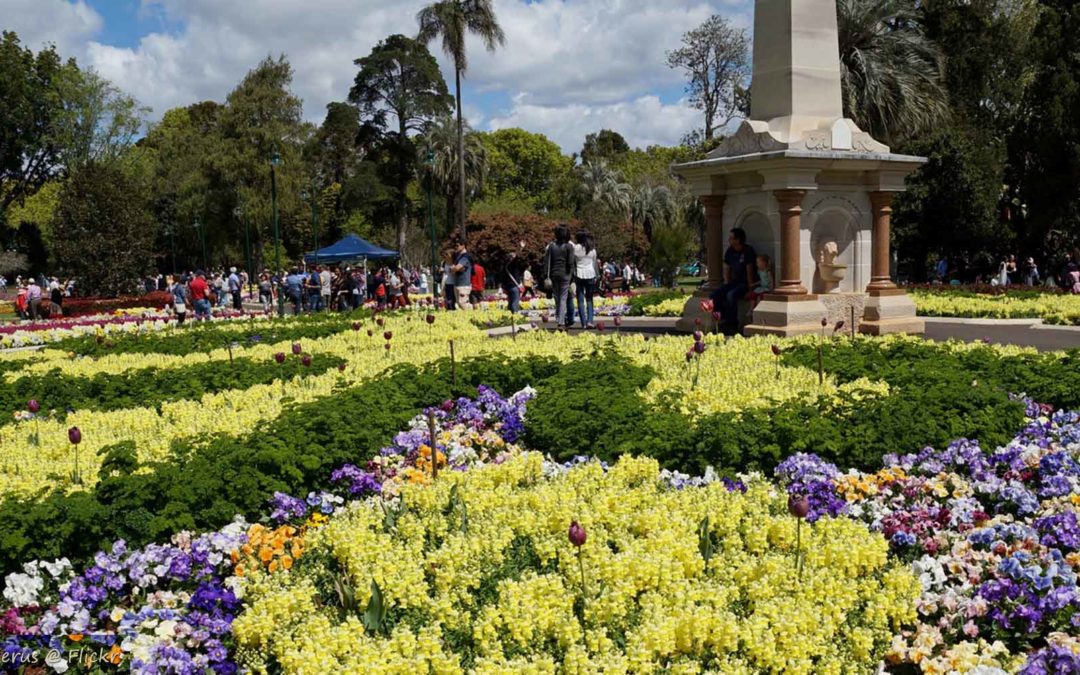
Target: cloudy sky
[(569, 66)]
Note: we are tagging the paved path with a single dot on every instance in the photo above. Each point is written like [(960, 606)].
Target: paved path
[(1023, 332)]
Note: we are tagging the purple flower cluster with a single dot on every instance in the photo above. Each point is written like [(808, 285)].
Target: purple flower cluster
[(1052, 660), (814, 478), (287, 508)]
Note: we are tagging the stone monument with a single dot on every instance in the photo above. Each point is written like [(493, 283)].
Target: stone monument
[(811, 190)]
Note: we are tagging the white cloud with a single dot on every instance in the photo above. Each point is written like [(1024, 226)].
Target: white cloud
[(644, 121), (569, 67), (66, 24)]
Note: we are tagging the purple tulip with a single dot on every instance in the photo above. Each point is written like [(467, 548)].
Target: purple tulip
[(716, 316), (33, 406), (447, 405), (689, 354), (370, 332), (798, 505), (430, 318), (544, 317), (74, 435), (296, 348), (306, 360), (698, 335), (600, 326), (280, 357), (387, 335), (699, 347), (618, 321), (577, 534)]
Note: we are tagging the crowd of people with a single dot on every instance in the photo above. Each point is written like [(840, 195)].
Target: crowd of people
[(39, 297), (1011, 272)]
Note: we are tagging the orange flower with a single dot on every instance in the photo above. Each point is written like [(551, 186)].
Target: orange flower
[(75, 637), (115, 655)]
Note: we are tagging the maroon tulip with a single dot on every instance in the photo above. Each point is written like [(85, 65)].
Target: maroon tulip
[(306, 360), (380, 321), (697, 322), (600, 326), (296, 348), (838, 326), (776, 350), (370, 332), (618, 321), (699, 347), (74, 435), (544, 317), (387, 345), (824, 321), (387, 335), (430, 318), (280, 357), (577, 534), (698, 335), (341, 367), (689, 354), (798, 505), (447, 405), (716, 316), (356, 325), (33, 406)]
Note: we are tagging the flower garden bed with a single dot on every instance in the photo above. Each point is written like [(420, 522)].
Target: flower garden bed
[(345, 557)]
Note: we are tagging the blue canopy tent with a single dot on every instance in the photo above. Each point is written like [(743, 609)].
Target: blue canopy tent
[(350, 248)]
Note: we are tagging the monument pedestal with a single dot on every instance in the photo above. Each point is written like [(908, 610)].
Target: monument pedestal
[(890, 311), (692, 312), (787, 315)]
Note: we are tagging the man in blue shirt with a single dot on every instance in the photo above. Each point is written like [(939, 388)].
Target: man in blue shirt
[(293, 284), (740, 272), (234, 288)]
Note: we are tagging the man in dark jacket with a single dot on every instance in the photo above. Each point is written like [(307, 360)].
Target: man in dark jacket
[(558, 270)]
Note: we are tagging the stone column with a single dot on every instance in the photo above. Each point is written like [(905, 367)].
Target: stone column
[(790, 202), (714, 239), (881, 203)]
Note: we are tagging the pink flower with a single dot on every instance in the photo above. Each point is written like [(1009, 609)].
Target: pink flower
[(33, 406)]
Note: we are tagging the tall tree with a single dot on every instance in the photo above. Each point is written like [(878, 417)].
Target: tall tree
[(453, 20), (650, 207), (398, 91), (99, 122), (523, 165), (716, 59), (99, 207), (440, 142), (601, 185), (1047, 143), (30, 106), (606, 145), (891, 73)]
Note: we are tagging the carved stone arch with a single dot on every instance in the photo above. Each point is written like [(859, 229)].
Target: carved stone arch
[(761, 233), (834, 218)]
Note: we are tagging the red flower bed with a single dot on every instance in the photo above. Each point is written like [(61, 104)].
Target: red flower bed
[(84, 306)]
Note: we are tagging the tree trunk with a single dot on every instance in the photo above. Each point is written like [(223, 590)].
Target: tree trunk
[(461, 157), (403, 187)]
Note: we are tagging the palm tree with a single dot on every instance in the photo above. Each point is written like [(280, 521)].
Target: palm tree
[(601, 184), (453, 20), (892, 74), (440, 140), (651, 206)]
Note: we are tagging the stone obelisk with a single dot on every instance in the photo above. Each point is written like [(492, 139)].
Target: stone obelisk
[(802, 179)]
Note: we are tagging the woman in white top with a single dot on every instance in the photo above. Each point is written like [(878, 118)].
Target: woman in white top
[(586, 271)]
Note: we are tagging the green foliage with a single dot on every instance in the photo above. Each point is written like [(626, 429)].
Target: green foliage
[(99, 207), (639, 302), (668, 249), (523, 165), (605, 145), (31, 87), (150, 387), (208, 481)]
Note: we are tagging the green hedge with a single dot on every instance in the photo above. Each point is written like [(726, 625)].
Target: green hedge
[(639, 302), (201, 337), (205, 484), (150, 387)]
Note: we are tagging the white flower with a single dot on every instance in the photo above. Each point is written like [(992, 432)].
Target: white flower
[(57, 567), (930, 572), (22, 590), (165, 629)]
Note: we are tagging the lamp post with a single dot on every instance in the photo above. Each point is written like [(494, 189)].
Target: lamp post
[(314, 217), (275, 159), (431, 223), (202, 239), (242, 216)]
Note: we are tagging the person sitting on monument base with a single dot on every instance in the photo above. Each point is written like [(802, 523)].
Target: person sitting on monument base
[(740, 274)]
